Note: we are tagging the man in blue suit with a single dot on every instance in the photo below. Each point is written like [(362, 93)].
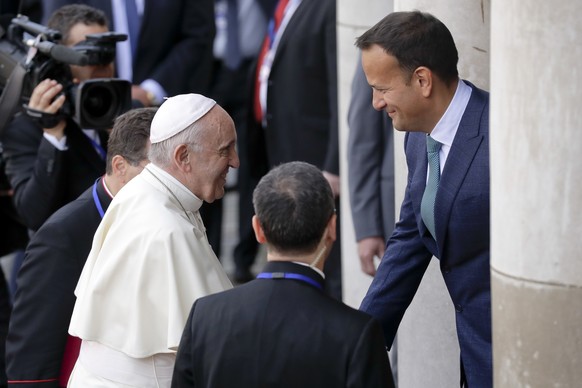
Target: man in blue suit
[(410, 60)]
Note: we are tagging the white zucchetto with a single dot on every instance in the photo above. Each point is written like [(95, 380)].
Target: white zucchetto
[(177, 113)]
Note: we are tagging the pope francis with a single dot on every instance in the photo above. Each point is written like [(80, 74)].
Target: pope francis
[(150, 257)]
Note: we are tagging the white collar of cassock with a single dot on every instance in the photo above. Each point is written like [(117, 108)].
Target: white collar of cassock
[(189, 201)]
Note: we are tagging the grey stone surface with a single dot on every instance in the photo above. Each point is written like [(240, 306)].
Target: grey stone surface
[(538, 333)]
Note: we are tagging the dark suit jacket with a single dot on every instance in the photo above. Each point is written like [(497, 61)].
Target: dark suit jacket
[(175, 42), (370, 163), (43, 178), (302, 93), (462, 241), (302, 119), (280, 333), (44, 299), (13, 232)]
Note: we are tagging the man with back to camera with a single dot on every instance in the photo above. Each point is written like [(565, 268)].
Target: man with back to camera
[(282, 330), (410, 60), (150, 257), (39, 350)]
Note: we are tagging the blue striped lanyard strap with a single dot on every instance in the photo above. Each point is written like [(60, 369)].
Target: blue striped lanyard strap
[(100, 150), (96, 199), (288, 275)]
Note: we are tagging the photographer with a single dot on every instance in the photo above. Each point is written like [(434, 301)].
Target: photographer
[(51, 163), (169, 49)]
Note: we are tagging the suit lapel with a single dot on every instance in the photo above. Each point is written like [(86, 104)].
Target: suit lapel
[(296, 18), (148, 10), (106, 7), (463, 150)]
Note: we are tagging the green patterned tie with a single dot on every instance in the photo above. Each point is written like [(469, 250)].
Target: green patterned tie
[(434, 175)]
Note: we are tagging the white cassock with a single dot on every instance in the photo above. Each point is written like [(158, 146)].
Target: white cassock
[(150, 260)]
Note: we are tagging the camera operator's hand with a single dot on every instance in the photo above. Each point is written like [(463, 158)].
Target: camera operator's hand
[(334, 182), (43, 99), (142, 95)]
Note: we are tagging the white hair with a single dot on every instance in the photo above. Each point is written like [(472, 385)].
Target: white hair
[(161, 153)]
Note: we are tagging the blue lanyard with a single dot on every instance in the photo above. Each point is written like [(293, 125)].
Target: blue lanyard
[(100, 150), (96, 199), (287, 275), (271, 30)]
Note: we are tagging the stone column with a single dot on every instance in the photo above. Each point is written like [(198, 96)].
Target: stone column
[(536, 193)]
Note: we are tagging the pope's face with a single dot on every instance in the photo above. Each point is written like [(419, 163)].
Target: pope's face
[(217, 154), (83, 73), (392, 90)]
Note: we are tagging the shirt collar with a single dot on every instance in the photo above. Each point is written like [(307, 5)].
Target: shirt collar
[(445, 130), (320, 272), (105, 186)]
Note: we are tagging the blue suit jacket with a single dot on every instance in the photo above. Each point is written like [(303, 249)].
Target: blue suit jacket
[(462, 241)]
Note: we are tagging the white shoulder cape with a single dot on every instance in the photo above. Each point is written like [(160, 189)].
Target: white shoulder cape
[(148, 263)]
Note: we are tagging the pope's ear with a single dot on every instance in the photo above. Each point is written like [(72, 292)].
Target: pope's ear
[(182, 155)]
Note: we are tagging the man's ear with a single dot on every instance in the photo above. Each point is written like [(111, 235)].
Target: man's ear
[(259, 233), (422, 77), (119, 165), (330, 229), (181, 157)]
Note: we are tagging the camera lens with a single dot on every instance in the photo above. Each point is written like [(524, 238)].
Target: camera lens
[(98, 100)]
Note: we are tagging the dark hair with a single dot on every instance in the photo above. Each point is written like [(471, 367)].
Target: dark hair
[(415, 39), (129, 136), (64, 18), (294, 204)]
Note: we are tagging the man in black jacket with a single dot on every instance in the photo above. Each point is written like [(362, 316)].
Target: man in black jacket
[(295, 105), (50, 166), (282, 330), (169, 50), (54, 259)]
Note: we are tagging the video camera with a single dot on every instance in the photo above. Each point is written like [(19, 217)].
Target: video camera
[(29, 54)]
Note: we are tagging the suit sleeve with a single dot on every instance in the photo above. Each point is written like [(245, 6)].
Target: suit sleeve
[(189, 61), (42, 309), (366, 148), (49, 6), (369, 365), (35, 169), (331, 163), (399, 273), (183, 369)]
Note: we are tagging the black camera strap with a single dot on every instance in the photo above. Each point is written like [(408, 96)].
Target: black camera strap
[(45, 120), (10, 97)]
